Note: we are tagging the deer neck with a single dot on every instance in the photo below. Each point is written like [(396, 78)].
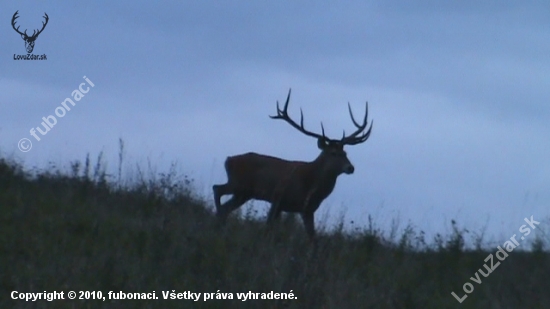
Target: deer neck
[(322, 180)]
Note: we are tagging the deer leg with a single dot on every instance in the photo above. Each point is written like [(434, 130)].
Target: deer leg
[(274, 213), (233, 203), (219, 191), (309, 224)]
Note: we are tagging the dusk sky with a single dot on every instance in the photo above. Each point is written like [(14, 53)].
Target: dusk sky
[(459, 93)]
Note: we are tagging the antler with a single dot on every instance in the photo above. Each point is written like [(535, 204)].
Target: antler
[(283, 114), (43, 25), (34, 33), (353, 139), (13, 24)]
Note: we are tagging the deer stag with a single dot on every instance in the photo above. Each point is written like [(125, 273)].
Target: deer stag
[(29, 40), (290, 186)]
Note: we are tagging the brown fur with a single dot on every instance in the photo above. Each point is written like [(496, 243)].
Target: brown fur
[(290, 186)]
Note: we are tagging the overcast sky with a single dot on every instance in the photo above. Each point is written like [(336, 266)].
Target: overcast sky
[(459, 93)]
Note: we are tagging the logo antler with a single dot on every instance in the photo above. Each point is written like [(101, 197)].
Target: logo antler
[(29, 40)]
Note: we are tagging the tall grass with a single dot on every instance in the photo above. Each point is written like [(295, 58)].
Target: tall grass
[(86, 230)]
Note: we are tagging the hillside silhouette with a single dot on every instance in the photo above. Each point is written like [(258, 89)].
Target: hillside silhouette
[(81, 229)]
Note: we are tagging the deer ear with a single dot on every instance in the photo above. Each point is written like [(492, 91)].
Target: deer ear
[(321, 143)]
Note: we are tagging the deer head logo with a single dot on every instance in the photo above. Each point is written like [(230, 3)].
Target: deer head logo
[(29, 40)]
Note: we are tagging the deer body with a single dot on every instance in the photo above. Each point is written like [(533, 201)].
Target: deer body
[(289, 186), (274, 180)]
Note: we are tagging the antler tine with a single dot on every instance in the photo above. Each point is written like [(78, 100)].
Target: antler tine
[(322, 135), (47, 18), (278, 111), (13, 23), (353, 138), (364, 119), (283, 114), (287, 100), (35, 32), (360, 139), (14, 17)]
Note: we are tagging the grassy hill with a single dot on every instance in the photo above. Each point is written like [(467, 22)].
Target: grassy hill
[(80, 231)]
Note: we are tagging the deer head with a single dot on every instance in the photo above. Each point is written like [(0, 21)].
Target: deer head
[(332, 150)]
